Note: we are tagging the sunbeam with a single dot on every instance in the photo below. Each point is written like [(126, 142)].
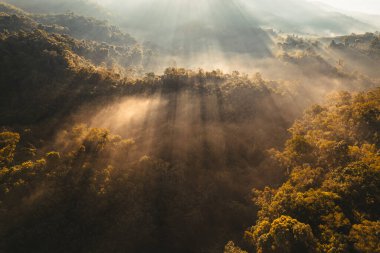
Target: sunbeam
[(204, 126)]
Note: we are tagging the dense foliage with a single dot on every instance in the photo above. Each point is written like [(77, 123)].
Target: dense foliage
[(43, 71), (368, 43), (154, 195), (98, 156), (87, 28), (330, 203), (97, 41)]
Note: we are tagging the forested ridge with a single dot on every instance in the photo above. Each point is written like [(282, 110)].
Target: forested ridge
[(98, 153), (330, 203)]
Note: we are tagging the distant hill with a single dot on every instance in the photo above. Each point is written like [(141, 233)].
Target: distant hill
[(219, 27), (297, 16), (13, 23), (191, 29), (10, 9), (99, 153), (194, 31), (87, 28), (39, 74), (95, 40), (75, 25), (83, 7)]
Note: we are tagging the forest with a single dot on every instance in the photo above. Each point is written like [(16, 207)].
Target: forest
[(118, 135)]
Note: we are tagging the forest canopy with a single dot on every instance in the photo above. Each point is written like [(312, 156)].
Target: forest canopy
[(221, 135)]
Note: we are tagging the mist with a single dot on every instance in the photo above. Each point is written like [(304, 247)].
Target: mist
[(189, 126), (214, 34)]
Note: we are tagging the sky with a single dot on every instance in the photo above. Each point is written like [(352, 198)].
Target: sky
[(365, 6)]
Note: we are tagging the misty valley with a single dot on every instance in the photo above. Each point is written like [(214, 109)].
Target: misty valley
[(235, 126)]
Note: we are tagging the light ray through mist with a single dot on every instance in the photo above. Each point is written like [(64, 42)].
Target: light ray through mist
[(365, 6), (227, 35)]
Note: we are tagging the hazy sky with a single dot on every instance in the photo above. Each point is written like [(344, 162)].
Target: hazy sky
[(367, 6)]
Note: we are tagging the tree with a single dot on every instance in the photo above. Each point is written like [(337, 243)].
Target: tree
[(366, 236), (231, 248), (331, 202), (283, 235), (8, 143)]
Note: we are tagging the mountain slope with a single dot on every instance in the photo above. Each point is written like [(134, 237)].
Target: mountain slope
[(83, 7), (188, 29), (101, 43), (40, 72), (297, 16)]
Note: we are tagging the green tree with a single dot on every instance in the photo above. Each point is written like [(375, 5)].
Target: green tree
[(283, 235), (366, 236), (8, 144)]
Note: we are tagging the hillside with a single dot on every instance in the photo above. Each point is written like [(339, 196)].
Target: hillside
[(97, 41), (48, 88), (87, 28), (44, 72), (12, 10), (45, 116), (295, 16), (82, 7), (114, 144), (331, 199), (303, 17)]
